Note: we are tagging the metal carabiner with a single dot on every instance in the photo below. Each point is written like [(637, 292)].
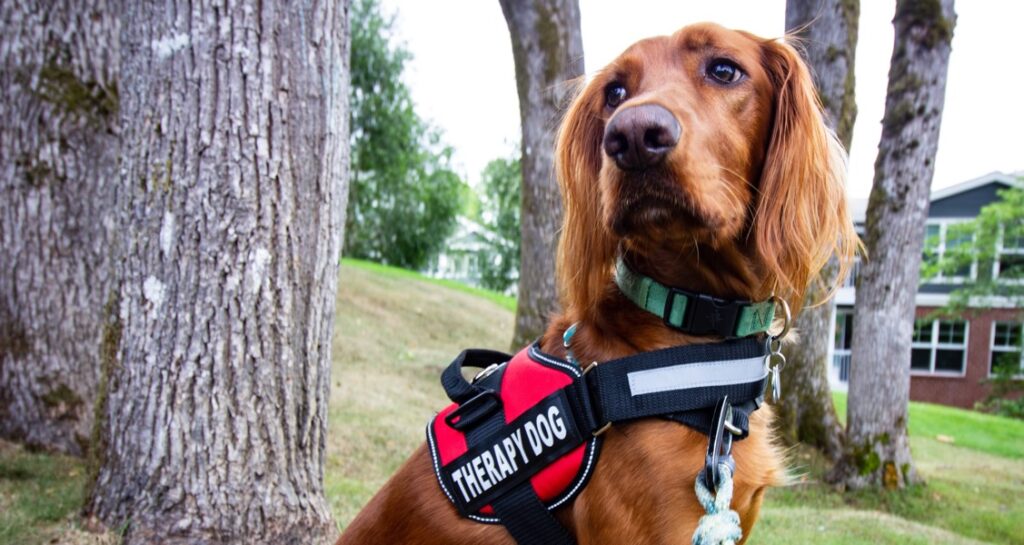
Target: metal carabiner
[(773, 347), (719, 444)]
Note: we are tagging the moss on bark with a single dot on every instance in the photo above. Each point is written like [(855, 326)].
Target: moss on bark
[(58, 85), (924, 17), (109, 345), (549, 39)]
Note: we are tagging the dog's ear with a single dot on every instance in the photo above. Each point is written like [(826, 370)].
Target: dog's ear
[(801, 219), (586, 250)]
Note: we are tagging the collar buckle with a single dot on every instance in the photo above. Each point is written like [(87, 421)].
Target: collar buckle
[(704, 314)]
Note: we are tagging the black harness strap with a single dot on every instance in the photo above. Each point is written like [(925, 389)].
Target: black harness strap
[(618, 397), (684, 384), (528, 520)]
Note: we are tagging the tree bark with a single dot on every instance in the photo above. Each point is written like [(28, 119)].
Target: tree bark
[(58, 159), (232, 200), (547, 46), (878, 452), (806, 413), (828, 30)]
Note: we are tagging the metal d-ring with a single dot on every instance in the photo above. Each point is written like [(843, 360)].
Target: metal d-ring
[(485, 372), (787, 316)]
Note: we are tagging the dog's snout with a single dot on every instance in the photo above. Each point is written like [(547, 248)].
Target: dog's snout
[(641, 136)]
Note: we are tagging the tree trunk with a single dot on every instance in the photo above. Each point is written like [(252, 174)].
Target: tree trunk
[(806, 413), (828, 29), (878, 452), (232, 200), (58, 155), (547, 46)]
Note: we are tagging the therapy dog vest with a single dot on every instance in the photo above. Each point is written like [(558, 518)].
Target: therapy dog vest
[(533, 439), (523, 437)]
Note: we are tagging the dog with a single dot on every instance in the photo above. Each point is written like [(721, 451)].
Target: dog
[(702, 160)]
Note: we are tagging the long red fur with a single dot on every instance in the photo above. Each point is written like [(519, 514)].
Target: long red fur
[(756, 208)]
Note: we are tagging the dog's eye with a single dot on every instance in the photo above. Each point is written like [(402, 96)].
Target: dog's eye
[(724, 71), (614, 95)]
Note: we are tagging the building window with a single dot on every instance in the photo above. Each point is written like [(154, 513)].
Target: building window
[(1006, 347), (1010, 255), (941, 237), (939, 346), (843, 341)]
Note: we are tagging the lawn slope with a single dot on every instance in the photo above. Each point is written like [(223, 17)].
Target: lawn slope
[(394, 333)]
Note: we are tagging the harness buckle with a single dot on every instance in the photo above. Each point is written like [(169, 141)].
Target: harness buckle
[(719, 444), (474, 409)]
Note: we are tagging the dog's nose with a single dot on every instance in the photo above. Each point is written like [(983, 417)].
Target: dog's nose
[(641, 136)]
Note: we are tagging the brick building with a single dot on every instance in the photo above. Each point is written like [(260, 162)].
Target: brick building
[(952, 357)]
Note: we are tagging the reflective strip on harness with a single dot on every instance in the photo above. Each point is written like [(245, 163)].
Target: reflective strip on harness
[(696, 375)]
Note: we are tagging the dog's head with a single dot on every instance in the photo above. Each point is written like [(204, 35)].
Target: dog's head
[(709, 140)]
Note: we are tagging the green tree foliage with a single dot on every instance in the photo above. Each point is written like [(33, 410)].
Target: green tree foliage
[(501, 183), (993, 245), (404, 195)]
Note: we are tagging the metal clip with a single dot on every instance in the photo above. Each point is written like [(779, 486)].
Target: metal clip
[(773, 346), (719, 444)]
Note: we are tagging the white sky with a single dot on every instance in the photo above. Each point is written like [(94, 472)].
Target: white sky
[(462, 76)]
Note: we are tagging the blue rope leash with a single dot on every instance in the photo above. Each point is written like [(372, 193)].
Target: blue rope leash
[(721, 525)]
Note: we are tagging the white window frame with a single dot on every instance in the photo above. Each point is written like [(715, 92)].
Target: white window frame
[(1000, 251), (847, 314), (940, 251), (933, 345), (1003, 349)]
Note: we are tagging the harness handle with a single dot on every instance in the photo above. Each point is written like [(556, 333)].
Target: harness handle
[(475, 401), (455, 385)]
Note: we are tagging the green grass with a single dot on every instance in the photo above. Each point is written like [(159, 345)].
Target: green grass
[(968, 495), (396, 330), (38, 494), (502, 300), (969, 429)]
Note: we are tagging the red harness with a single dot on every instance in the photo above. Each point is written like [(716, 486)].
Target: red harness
[(523, 437), (529, 450)]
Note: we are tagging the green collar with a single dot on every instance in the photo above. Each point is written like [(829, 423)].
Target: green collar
[(694, 313)]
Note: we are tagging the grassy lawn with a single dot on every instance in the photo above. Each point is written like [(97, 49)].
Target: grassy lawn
[(969, 429), (40, 495), (501, 300), (395, 332)]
